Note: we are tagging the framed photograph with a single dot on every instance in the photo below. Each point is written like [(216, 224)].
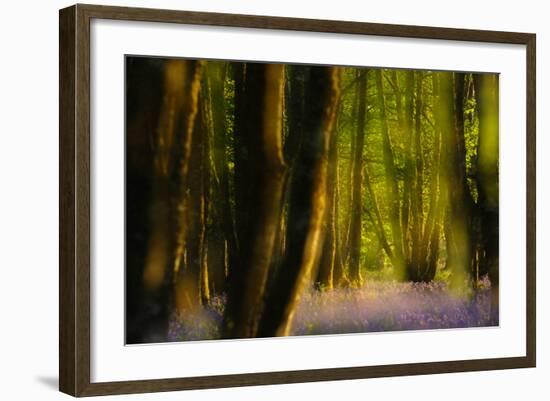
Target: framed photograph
[(250, 200)]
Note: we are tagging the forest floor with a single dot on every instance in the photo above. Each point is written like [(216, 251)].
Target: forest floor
[(377, 306)]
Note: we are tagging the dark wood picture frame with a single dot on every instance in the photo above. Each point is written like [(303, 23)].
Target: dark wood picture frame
[(74, 206)]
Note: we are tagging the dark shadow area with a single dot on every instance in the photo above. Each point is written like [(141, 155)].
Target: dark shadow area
[(49, 381)]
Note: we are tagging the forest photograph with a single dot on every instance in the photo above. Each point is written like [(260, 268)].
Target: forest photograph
[(272, 199)]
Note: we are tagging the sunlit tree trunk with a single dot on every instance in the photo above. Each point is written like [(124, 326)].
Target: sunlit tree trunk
[(339, 276), (325, 276), (214, 243), (392, 190), (356, 184), (487, 94), (206, 204), (260, 134), (168, 207), (190, 278), (308, 203)]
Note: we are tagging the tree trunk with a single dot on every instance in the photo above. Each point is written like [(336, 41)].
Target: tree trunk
[(261, 137), (377, 219), (206, 189), (339, 276), (356, 185), (408, 168), (296, 78), (307, 203), (325, 276), (466, 199), (391, 181), (417, 264), (346, 234), (486, 88), (168, 205), (190, 276), (457, 235), (431, 234)]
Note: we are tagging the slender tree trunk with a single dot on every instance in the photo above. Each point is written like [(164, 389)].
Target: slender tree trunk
[(339, 276), (356, 185), (183, 142), (377, 220), (308, 203), (325, 276), (417, 265), (261, 137), (409, 166), (431, 234), (214, 243), (190, 278), (349, 177), (391, 181), (206, 188)]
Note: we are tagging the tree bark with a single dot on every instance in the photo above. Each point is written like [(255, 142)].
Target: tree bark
[(409, 166), (431, 234), (457, 235), (261, 136), (417, 263), (356, 184), (487, 92), (189, 289), (308, 203), (392, 190), (325, 276), (377, 220)]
